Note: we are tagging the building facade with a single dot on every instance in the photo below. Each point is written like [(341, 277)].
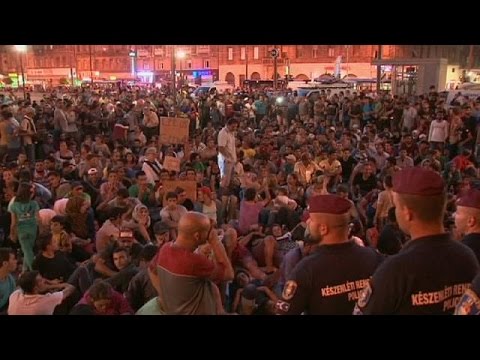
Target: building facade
[(56, 64)]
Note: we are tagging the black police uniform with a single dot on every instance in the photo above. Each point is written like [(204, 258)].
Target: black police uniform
[(427, 277), (469, 304), (473, 242), (329, 281)]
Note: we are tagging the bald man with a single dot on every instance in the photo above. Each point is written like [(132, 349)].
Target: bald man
[(430, 273), (467, 219), (184, 278), (330, 279)]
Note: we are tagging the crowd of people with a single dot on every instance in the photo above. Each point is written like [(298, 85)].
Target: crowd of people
[(348, 203)]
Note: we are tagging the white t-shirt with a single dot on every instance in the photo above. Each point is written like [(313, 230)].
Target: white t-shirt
[(227, 139), (210, 211), (21, 304)]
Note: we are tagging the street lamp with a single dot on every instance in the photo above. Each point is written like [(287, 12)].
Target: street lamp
[(180, 54), (133, 56), (22, 49)]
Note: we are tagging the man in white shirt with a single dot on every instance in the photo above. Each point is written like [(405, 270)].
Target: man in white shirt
[(227, 153), (32, 299), (409, 117), (151, 166), (438, 133), (28, 129)]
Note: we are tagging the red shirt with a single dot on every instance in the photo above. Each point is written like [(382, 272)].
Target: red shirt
[(461, 162), (118, 306), (180, 261)]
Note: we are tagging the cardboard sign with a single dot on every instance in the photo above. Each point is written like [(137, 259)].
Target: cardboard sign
[(171, 163), (190, 188), (174, 130)]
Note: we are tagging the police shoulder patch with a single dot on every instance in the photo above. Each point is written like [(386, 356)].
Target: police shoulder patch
[(282, 306), (365, 296), (469, 304), (289, 290)]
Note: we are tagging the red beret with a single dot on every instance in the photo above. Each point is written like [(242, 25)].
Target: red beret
[(329, 204), (470, 198), (418, 181)]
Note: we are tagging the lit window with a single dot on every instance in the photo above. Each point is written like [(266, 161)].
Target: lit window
[(230, 53), (255, 52), (242, 53)]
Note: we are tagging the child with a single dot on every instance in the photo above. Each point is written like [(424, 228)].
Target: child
[(66, 242), (59, 236)]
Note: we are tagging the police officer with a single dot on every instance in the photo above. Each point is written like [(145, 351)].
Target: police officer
[(467, 219), (330, 279), (431, 272)]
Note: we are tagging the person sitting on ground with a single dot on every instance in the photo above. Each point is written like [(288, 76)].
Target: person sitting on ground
[(254, 300), (250, 208), (140, 289), (52, 264), (104, 263), (105, 300), (8, 265), (172, 213), (34, 298), (206, 205), (161, 233), (126, 270), (264, 248), (110, 229), (140, 224)]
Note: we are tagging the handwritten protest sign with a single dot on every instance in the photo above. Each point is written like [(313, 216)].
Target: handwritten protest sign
[(171, 163), (174, 130), (190, 188)]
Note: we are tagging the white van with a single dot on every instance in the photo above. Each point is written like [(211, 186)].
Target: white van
[(471, 94), (317, 90), (217, 87)]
